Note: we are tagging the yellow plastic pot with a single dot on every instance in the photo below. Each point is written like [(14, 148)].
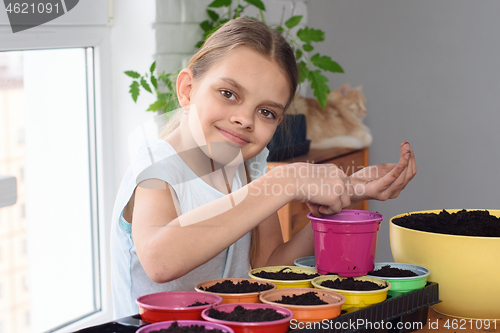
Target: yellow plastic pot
[(466, 268), (355, 298), (285, 283)]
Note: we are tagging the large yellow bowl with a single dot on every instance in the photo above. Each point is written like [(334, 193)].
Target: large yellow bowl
[(466, 268), (286, 283)]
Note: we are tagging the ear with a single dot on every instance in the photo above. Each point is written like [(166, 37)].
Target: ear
[(359, 88), (344, 88), (184, 87)]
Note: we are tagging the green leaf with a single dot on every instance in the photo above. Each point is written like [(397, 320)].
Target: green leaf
[(298, 54), (154, 82), (164, 96), (145, 85), (279, 29), (308, 35), (152, 68), (318, 84), (326, 63), (133, 74), (303, 71), (213, 15), (206, 25), (134, 90), (171, 104), (168, 80), (238, 10), (199, 44), (220, 3), (293, 21), (158, 105), (308, 47), (257, 3)]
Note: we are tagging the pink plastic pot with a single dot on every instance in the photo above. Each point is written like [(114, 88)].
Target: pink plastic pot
[(275, 326), (166, 324), (345, 243)]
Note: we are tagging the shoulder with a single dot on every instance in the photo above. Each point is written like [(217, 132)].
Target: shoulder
[(153, 158)]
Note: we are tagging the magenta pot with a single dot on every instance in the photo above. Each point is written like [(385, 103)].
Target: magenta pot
[(345, 243)]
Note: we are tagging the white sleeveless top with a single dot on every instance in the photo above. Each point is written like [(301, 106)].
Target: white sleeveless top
[(160, 161)]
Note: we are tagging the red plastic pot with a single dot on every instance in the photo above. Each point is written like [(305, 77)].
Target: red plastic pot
[(345, 243), (173, 305), (275, 326)]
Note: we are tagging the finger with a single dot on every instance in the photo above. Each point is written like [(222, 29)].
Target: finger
[(391, 182), (399, 184), (413, 164), (314, 208), (410, 173), (385, 182), (329, 210), (405, 149)]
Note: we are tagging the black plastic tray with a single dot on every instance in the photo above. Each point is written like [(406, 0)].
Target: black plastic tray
[(409, 309)]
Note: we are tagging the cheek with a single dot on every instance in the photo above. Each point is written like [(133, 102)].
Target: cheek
[(266, 133)]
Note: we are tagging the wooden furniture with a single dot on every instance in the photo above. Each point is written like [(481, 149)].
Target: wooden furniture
[(293, 216)]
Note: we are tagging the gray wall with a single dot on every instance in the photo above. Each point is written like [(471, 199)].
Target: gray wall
[(430, 71)]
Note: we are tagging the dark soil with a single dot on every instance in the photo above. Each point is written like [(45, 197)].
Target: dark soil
[(351, 284), (174, 328), (310, 298), (388, 271), (198, 304), (477, 223), (243, 315), (282, 275), (227, 286)]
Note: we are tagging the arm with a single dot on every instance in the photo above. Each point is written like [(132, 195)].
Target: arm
[(382, 182), (168, 250)]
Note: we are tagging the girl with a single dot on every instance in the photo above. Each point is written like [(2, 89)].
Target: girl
[(197, 204)]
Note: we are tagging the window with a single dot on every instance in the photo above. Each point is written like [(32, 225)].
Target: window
[(55, 81), (50, 106)]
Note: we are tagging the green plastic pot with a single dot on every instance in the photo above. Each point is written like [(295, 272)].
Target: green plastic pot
[(404, 285)]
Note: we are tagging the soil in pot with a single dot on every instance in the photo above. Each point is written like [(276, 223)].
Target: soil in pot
[(388, 271), (241, 314), (283, 275), (351, 284), (310, 298), (477, 223), (175, 328), (198, 304), (227, 286)]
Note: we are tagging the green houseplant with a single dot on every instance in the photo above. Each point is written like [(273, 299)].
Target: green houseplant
[(311, 69)]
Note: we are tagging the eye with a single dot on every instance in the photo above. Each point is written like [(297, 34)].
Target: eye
[(267, 113), (227, 94)]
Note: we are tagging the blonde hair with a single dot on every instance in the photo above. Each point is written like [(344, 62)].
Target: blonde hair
[(257, 36)]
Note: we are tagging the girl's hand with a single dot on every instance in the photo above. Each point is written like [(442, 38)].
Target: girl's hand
[(384, 181), (321, 186)]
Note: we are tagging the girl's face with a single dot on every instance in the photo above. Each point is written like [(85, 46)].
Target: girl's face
[(240, 100)]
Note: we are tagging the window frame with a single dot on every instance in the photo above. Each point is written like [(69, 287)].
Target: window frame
[(97, 37)]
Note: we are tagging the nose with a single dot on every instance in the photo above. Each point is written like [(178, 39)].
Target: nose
[(243, 119)]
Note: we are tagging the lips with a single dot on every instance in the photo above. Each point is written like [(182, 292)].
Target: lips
[(233, 136)]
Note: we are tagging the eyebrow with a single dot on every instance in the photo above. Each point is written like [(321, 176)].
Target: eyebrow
[(240, 87)]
